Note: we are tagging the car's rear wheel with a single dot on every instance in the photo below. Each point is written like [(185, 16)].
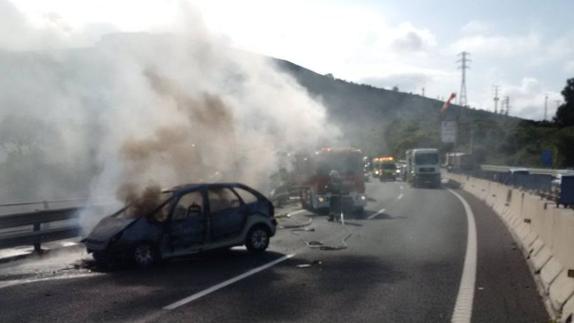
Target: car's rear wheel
[(257, 239), (145, 255)]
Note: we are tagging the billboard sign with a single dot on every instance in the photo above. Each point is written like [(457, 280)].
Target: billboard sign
[(448, 132)]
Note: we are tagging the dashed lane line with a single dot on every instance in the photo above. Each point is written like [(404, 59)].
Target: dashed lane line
[(296, 212), (379, 212), (400, 196)]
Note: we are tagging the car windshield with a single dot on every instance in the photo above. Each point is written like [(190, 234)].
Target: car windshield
[(389, 166), (426, 158), (340, 162), (155, 206)]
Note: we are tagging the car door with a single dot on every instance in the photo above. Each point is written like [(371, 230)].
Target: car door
[(188, 221), (227, 214), (250, 202)]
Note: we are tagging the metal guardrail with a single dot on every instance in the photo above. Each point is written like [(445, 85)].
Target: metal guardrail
[(39, 233), (538, 171), (537, 180)]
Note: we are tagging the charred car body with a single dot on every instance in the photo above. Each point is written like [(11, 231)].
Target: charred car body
[(188, 219)]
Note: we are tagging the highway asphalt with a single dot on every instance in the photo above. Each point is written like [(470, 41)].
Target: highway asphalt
[(401, 261)]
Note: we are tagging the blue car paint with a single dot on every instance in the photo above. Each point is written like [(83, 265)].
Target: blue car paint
[(119, 234)]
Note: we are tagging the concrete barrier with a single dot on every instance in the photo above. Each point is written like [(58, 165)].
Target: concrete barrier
[(568, 311), (544, 233)]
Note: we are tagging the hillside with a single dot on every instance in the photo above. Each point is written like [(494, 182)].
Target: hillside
[(381, 121)]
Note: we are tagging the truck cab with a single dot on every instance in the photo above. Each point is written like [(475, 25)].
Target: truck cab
[(423, 167)]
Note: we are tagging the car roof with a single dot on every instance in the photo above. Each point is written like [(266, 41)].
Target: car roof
[(180, 189), (425, 150)]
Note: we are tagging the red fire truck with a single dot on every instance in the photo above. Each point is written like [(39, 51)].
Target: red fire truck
[(348, 163)]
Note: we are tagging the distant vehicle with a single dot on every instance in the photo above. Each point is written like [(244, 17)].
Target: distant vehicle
[(402, 171), (385, 168), (459, 162), (423, 167), (556, 183), (348, 163), (186, 220), (519, 171)]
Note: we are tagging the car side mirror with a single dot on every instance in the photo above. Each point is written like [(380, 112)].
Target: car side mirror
[(194, 209)]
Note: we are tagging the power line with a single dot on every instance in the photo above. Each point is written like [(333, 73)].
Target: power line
[(463, 62)]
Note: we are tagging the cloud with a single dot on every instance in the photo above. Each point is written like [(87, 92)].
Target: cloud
[(475, 27), (569, 66), (527, 98), (497, 45), (412, 39)]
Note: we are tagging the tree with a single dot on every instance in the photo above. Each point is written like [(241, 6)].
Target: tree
[(565, 113)]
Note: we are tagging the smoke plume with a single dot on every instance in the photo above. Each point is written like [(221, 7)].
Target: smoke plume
[(138, 110)]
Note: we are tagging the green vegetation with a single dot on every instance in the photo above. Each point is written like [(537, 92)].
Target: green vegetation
[(382, 122)]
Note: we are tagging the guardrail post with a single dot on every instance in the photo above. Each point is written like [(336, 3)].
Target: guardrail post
[(37, 243), (38, 227)]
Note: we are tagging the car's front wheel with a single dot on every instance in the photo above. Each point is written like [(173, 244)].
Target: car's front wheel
[(257, 239), (145, 255)]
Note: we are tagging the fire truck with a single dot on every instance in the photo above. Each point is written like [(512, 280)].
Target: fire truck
[(348, 163)]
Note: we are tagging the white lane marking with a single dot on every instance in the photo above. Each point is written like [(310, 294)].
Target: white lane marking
[(400, 196), (463, 307), (296, 212), (381, 211), (402, 187), (226, 283), (16, 282)]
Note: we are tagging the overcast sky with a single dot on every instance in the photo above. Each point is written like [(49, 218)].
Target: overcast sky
[(524, 46)]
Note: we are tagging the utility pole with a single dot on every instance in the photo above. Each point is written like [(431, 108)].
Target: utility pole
[(463, 66), (496, 98), (545, 107), (423, 92)]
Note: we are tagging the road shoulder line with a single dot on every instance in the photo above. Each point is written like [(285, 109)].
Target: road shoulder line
[(464, 300)]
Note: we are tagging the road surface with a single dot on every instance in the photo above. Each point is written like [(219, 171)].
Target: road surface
[(402, 261)]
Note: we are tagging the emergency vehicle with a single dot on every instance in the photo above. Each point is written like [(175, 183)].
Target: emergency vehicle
[(385, 168), (348, 163)]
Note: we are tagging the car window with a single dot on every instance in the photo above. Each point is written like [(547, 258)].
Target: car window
[(246, 196), (162, 214), (222, 199), (187, 200)]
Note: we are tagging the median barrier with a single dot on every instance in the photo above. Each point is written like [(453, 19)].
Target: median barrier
[(568, 311), (543, 231)]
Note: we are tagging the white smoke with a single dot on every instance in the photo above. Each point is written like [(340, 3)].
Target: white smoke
[(142, 109)]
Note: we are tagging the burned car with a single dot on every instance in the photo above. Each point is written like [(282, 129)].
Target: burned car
[(185, 220)]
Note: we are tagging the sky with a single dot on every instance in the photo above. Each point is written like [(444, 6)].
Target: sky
[(525, 47)]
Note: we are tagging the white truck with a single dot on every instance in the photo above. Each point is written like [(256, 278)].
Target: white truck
[(423, 167)]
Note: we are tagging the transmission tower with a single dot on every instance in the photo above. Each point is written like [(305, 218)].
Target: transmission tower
[(507, 103), (546, 107), (496, 98), (463, 62)]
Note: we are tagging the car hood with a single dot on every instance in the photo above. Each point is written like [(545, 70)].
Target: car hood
[(108, 227)]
